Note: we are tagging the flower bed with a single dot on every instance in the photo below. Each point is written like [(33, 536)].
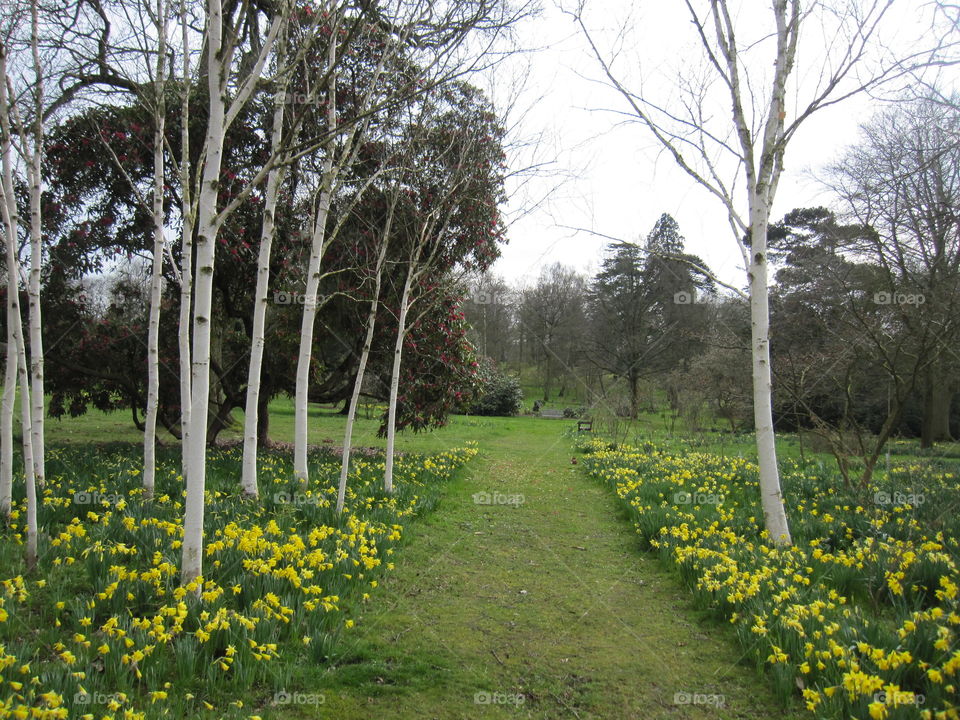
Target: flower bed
[(860, 614), (106, 630)]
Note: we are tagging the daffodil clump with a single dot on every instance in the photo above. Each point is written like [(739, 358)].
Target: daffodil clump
[(861, 615), (106, 629)]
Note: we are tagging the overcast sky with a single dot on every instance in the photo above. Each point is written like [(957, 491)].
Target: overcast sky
[(613, 179)]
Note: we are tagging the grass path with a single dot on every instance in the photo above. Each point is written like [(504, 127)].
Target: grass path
[(550, 601)]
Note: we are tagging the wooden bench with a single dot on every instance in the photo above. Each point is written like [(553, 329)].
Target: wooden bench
[(555, 414), (585, 426)]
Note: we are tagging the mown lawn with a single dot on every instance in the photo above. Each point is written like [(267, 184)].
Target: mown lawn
[(538, 604)]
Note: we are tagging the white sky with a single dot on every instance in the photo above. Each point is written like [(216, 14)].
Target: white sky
[(618, 184)]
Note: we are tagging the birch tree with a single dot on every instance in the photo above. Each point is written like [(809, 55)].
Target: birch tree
[(339, 152), (10, 221), (739, 158), (284, 135), (439, 56), (318, 245), (33, 156), (24, 116), (36, 54), (364, 353), (149, 85), (338, 155), (261, 299), (9, 395), (222, 76), (159, 243), (453, 185), (188, 217), (15, 340), (338, 145)]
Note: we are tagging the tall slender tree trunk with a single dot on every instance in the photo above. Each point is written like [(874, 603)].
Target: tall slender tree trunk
[(156, 276), (183, 342), (633, 380), (870, 460), (395, 380), (937, 399), (926, 420), (304, 358), (207, 229), (36, 257), (186, 249), (29, 476), (6, 418), (771, 497), (547, 379), (941, 415), (263, 414), (28, 461), (361, 370), (17, 348), (16, 345), (8, 207), (317, 247), (36, 335), (248, 478)]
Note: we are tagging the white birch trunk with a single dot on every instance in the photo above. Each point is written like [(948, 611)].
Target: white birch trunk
[(36, 337), (183, 341), (156, 277), (29, 477), (36, 259), (771, 498), (8, 206), (15, 346), (6, 412), (207, 226), (186, 252), (18, 351), (251, 439), (364, 356), (317, 247), (762, 174), (395, 381), (209, 222), (762, 188)]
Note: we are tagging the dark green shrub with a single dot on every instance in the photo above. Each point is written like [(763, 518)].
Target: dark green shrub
[(500, 394)]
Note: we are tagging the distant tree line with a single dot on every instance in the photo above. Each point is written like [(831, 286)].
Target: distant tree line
[(865, 305)]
